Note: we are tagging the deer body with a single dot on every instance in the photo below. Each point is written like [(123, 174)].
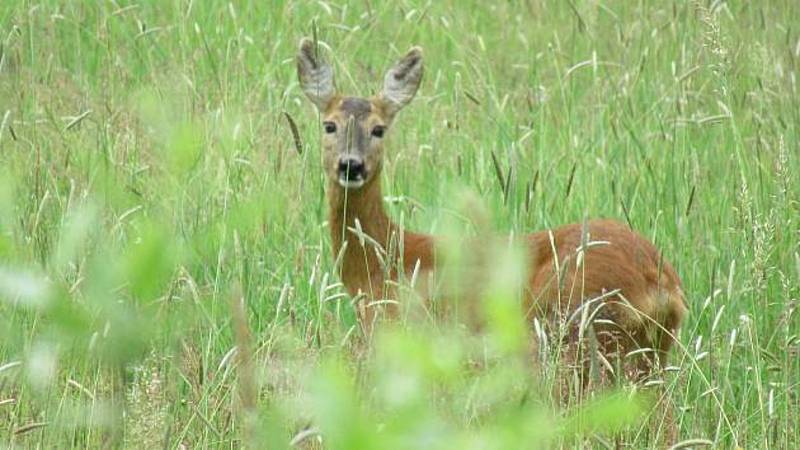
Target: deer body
[(635, 296)]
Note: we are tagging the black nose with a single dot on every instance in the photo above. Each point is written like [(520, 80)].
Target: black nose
[(351, 168)]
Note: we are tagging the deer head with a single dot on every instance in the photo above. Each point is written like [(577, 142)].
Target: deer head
[(355, 127)]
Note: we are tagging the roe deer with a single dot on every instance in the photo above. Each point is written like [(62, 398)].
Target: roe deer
[(637, 299)]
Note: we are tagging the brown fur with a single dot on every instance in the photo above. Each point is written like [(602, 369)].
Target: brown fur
[(361, 271), (647, 309)]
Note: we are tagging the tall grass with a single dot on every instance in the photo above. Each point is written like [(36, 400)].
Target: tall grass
[(166, 277)]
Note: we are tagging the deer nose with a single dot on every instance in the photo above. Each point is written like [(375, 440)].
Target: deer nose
[(351, 168)]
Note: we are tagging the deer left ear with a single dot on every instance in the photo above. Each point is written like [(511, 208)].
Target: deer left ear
[(316, 76), (402, 81)]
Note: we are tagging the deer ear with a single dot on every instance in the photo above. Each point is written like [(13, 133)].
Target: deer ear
[(402, 81), (315, 75)]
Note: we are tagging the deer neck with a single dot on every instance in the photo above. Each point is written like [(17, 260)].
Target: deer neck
[(355, 209)]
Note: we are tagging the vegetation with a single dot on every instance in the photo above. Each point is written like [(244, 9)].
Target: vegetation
[(166, 279)]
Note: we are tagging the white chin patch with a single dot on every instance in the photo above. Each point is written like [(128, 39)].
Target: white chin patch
[(351, 184)]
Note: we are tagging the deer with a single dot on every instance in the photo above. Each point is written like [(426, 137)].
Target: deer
[(634, 295)]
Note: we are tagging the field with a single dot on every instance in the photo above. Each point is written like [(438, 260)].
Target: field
[(166, 273)]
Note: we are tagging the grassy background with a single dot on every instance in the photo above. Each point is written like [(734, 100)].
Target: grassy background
[(149, 180)]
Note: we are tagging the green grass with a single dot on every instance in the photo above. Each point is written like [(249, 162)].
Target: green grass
[(149, 181)]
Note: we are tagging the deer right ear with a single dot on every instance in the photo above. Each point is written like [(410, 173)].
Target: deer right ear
[(315, 75), (402, 81)]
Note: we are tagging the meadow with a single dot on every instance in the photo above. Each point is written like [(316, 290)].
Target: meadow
[(166, 274)]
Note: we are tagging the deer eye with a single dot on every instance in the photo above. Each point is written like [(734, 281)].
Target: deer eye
[(330, 127), (378, 131)]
